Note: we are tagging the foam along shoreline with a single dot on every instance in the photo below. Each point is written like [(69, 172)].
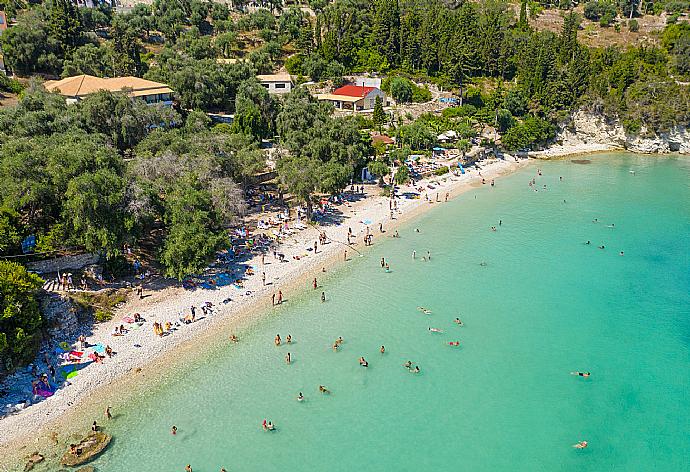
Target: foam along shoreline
[(143, 358)]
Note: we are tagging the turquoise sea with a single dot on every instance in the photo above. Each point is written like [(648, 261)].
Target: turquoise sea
[(545, 304)]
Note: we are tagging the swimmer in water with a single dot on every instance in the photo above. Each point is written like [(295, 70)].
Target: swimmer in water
[(602, 246), (300, 397), (483, 264), (288, 358), (454, 343), (621, 253), (426, 311), (173, 430), (435, 330), (595, 220), (388, 268), (415, 370), (407, 365), (580, 445), (363, 362), (588, 242), (611, 225), (270, 426), (277, 340), (581, 374), (323, 389), (383, 349), (458, 322)]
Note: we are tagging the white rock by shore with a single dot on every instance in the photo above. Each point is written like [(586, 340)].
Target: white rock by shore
[(589, 133)]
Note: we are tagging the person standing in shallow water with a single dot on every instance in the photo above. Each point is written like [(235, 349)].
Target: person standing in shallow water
[(323, 297)]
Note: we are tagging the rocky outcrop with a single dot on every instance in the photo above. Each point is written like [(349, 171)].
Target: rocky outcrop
[(588, 130), (87, 449)]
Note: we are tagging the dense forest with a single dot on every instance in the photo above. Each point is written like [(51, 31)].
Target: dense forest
[(62, 172)]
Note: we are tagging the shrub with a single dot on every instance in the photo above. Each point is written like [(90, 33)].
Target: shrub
[(102, 315), (633, 25), (598, 9), (474, 97), (441, 170), (606, 20), (420, 94), (631, 126), (461, 111)]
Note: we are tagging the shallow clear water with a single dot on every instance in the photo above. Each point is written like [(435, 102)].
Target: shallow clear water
[(544, 305)]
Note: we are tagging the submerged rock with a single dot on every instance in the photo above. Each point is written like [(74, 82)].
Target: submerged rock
[(88, 468), (87, 449), (34, 459)]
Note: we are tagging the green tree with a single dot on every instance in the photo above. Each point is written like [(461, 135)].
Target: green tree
[(193, 235), (379, 168), (402, 175), (88, 59), (379, 116), (20, 318), (254, 110), (401, 89), (94, 209), (65, 24)]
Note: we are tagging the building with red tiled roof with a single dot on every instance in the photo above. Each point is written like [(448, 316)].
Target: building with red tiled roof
[(353, 90), (353, 97)]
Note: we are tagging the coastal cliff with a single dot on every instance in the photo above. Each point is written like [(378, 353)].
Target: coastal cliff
[(590, 132), (587, 128)]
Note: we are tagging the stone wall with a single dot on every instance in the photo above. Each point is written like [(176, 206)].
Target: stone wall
[(75, 262)]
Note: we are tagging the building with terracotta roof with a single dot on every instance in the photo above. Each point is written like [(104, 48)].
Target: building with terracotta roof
[(77, 87), (353, 97)]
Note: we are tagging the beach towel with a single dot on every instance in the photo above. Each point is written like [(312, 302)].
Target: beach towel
[(128, 319), (68, 371), (43, 393)]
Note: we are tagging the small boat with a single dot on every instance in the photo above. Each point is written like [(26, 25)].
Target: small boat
[(87, 449)]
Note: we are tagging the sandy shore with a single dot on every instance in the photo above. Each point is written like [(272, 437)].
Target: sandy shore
[(144, 359)]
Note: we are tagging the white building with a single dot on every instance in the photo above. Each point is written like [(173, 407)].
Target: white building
[(276, 83)]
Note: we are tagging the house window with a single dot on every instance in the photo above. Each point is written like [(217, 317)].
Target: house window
[(265, 85), (280, 86)]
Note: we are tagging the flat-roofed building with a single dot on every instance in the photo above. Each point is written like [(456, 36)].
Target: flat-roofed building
[(77, 87), (276, 83)]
